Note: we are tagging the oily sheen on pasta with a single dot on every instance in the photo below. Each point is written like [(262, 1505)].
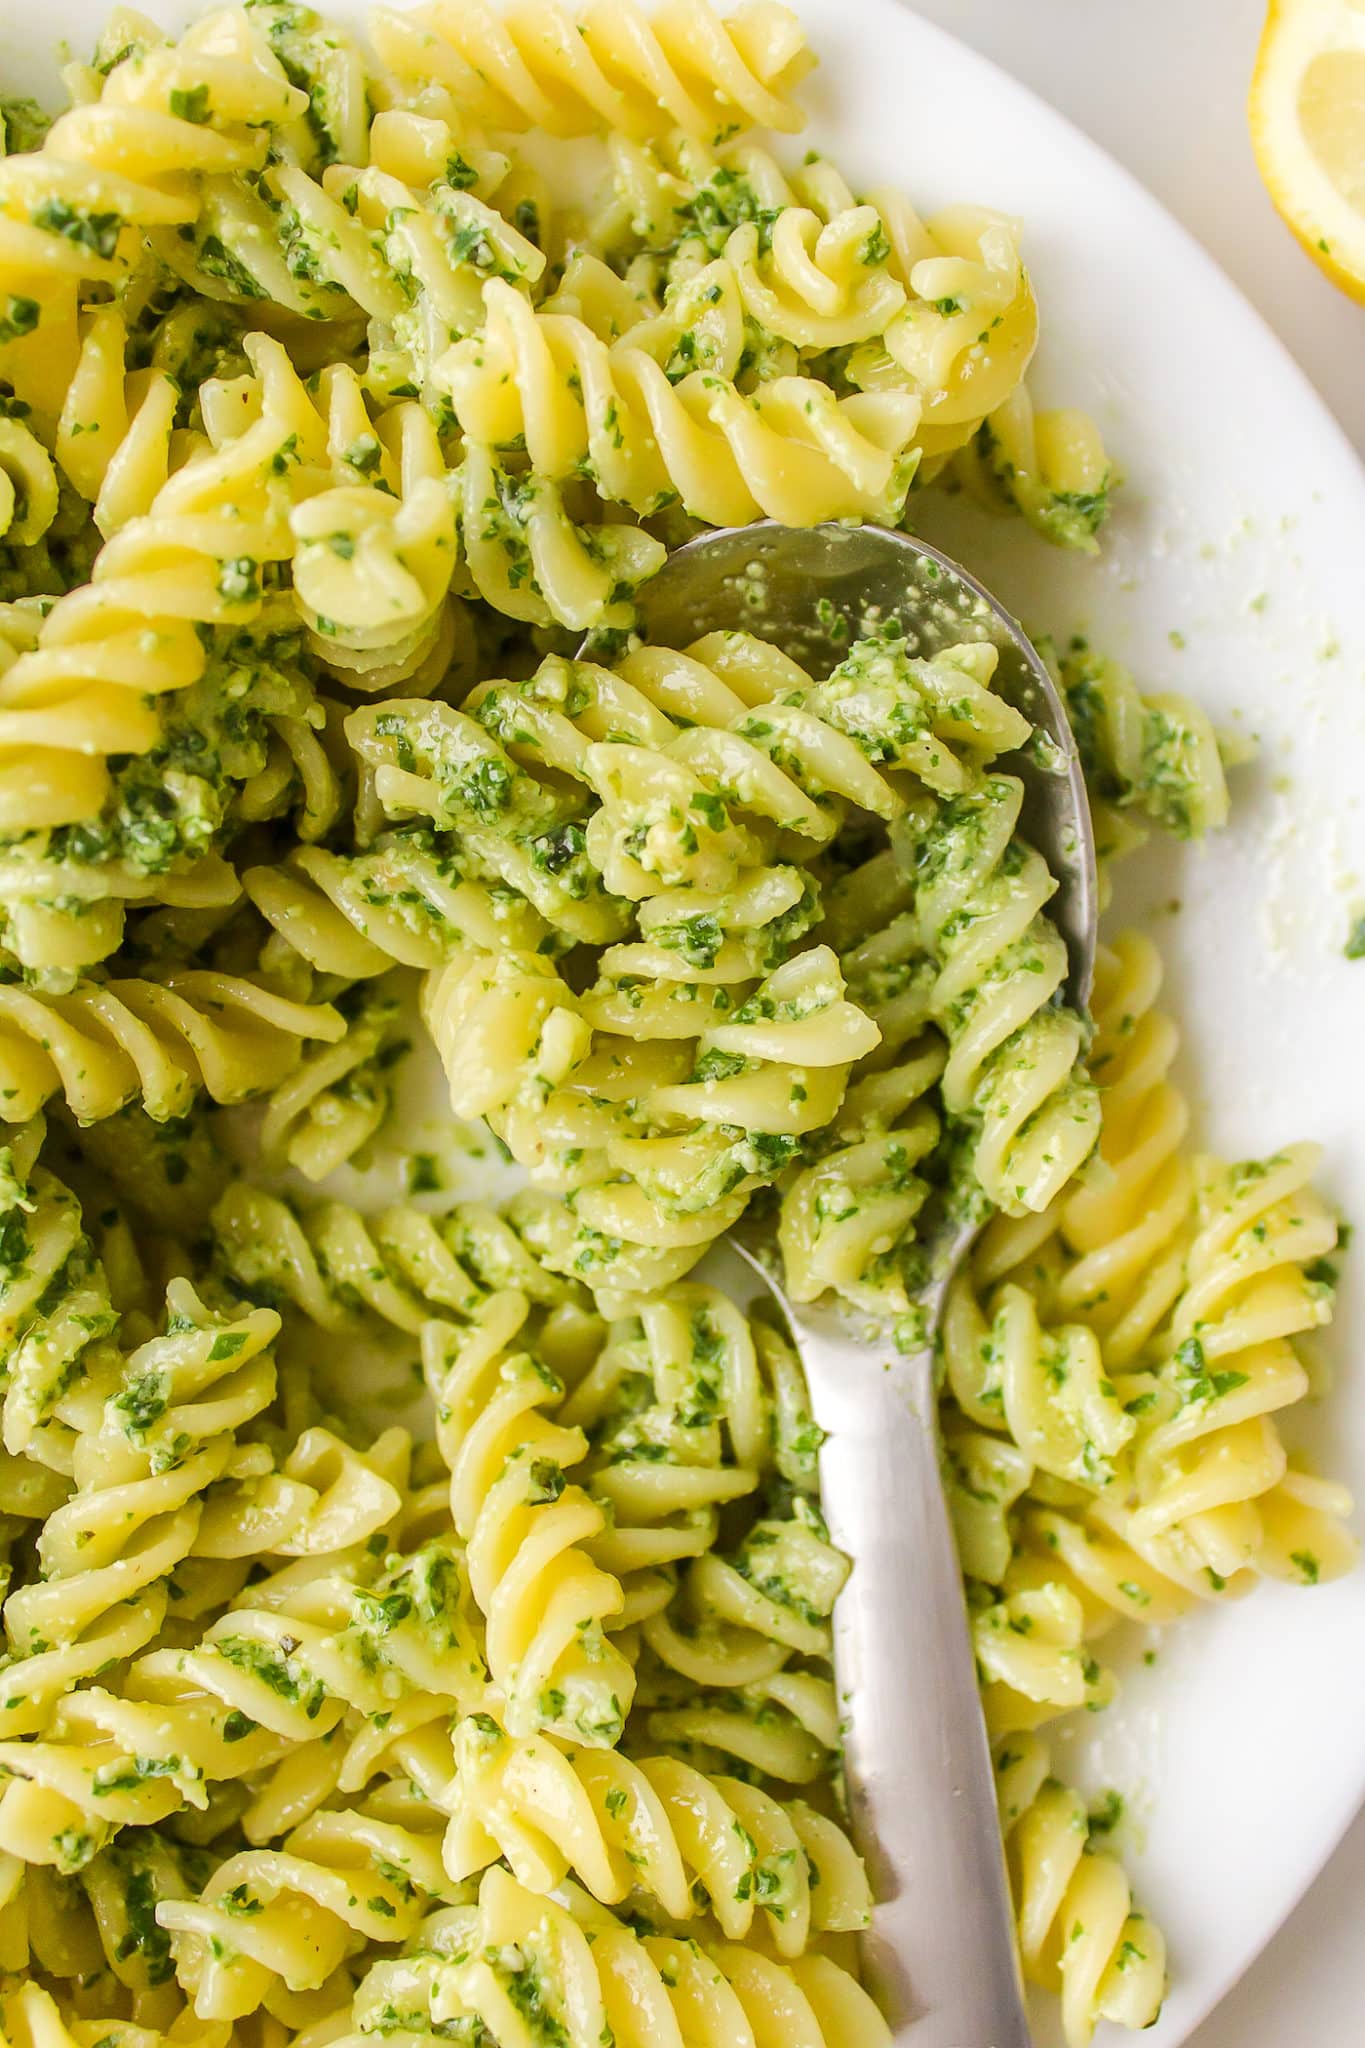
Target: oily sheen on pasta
[(418, 1611)]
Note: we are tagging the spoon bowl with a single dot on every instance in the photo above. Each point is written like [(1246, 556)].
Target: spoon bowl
[(813, 590), (941, 1951)]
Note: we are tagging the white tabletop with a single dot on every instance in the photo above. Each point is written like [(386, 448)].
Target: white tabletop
[(1162, 85)]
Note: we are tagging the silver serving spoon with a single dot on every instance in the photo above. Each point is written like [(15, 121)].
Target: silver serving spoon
[(940, 1952)]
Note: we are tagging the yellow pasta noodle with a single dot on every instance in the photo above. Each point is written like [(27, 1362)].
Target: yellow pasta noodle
[(1115, 1966), (527, 1524), (570, 69), (588, 1973), (656, 1826), (1209, 1450)]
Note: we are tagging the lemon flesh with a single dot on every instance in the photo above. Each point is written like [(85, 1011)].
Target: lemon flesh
[(1307, 115)]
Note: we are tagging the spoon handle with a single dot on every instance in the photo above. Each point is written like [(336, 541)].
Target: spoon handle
[(941, 1949)]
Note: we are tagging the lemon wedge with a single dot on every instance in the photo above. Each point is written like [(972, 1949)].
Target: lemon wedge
[(1307, 113)]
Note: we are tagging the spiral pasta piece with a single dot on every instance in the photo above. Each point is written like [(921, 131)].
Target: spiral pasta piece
[(1094, 1549), (107, 1919), (352, 915), (1031, 1653), (1045, 1386), (658, 1146), (847, 1218), (1111, 1252), (983, 1478), (1049, 466), (402, 1267), (114, 434), (107, 1553), (29, 2014), (655, 1826), (754, 724), (1153, 753), (293, 1914), (324, 1498), (1208, 1449), (790, 450), (159, 1042), (432, 761), (1013, 1053), (586, 65), (526, 1525), (740, 1656), (754, 272), (28, 487), (110, 1761), (1079, 1933), (518, 1956), (678, 1405), (126, 162), (58, 1317), (281, 1667), (698, 760), (106, 653), (327, 1110), (402, 229)]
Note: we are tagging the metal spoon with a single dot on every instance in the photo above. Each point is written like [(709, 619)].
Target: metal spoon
[(941, 1951)]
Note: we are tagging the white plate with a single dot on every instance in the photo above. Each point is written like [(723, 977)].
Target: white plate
[(1242, 529)]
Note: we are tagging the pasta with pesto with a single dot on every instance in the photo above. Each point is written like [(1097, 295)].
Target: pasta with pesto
[(419, 1616)]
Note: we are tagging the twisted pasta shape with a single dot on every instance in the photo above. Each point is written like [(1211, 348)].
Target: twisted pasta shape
[(518, 1962), (1079, 1933), (278, 1669), (29, 2014), (758, 268), (739, 1657), (678, 1406), (106, 1555), (1093, 1549), (790, 450), (1157, 754), (429, 760), (526, 1526), (584, 66), (1047, 1388), (847, 1219), (400, 1267), (779, 749), (1111, 1252), (105, 653), (338, 1096), (28, 486), (1208, 1449), (75, 210), (352, 915), (406, 242), (57, 1314), (658, 1150), (160, 1042), (533, 548), (129, 1961), (108, 1761), (338, 1882), (1013, 1053), (324, 1498), (1031, 1653), (1049, 466), (698, 760), (983, 1477), (114, 433), (656, 1826)]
